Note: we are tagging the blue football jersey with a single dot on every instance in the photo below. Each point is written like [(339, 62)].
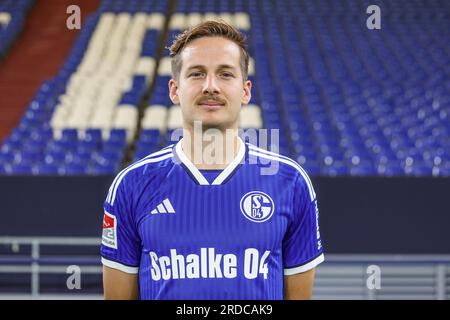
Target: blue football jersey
[(228, 234)]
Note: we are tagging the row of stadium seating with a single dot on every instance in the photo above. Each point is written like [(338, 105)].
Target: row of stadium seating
[(84, 98), (82, 121), (338, 100), (358, 102), (36, 152), (12, 18), (346, 100), (344, 112)]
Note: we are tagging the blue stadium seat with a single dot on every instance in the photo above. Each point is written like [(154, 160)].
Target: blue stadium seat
[(79, 158), (93, 135), (55, 157), (107, 169), (88, 146), (118, 135), (22, 169), (48, 169), (70, 135), (75, 169)]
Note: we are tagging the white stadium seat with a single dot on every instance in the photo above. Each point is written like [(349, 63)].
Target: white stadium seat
[(250, 117), (165, 67), (126, 117), (146, 67), (155, 117), (228, 18), (178, 21), (242, 21), (251, 66), (155, 21), (5, 17), (193, 19), (175, 118)]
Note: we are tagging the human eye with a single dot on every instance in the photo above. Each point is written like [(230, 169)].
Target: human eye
[(227, 75), (195, 74)]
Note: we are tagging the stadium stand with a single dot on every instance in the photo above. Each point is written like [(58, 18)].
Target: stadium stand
[(347, 101), (93, 94)]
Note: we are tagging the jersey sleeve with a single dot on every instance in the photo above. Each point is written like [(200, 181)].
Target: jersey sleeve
[(302, 246), (120, 247)]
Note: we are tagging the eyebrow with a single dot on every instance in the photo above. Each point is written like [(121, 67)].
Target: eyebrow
[(222, 66)]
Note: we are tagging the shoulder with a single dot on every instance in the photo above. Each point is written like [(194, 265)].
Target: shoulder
[(146, 167), (285, 165)]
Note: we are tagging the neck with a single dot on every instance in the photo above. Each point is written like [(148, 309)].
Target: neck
[(210, 149)]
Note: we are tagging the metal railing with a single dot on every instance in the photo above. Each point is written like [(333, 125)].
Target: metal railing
[(400, 277), (36, 264)]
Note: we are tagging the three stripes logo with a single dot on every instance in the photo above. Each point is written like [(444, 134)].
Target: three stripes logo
[(164, 207)]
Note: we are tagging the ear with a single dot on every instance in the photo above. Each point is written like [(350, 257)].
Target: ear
[(247, 92), (173, 92)]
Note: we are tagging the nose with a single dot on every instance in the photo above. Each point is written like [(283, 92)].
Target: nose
[(210, 86)]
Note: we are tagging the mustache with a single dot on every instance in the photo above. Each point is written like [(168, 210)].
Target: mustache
[(218, 100)]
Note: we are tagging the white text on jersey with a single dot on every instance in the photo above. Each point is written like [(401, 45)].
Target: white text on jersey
[(208, 264)]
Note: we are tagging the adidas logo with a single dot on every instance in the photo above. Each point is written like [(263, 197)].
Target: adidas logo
[(163, 207)]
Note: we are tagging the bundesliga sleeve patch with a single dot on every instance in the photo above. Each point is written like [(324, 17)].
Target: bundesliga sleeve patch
[(109, 234)]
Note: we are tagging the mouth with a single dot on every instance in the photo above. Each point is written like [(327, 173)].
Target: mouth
[(211, 105)]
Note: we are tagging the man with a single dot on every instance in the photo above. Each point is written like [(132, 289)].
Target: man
[(180, 224)]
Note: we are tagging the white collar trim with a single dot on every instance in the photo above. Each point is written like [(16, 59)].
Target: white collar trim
[(222, 176)]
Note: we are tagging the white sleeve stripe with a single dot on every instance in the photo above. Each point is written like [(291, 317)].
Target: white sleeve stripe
[(137, 165), (113, 184), (312, 193), (310, 265), (255, 148), (163, 151), (119, 266), (298, 166)]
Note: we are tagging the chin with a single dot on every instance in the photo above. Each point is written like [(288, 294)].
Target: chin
[(211, 122)]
